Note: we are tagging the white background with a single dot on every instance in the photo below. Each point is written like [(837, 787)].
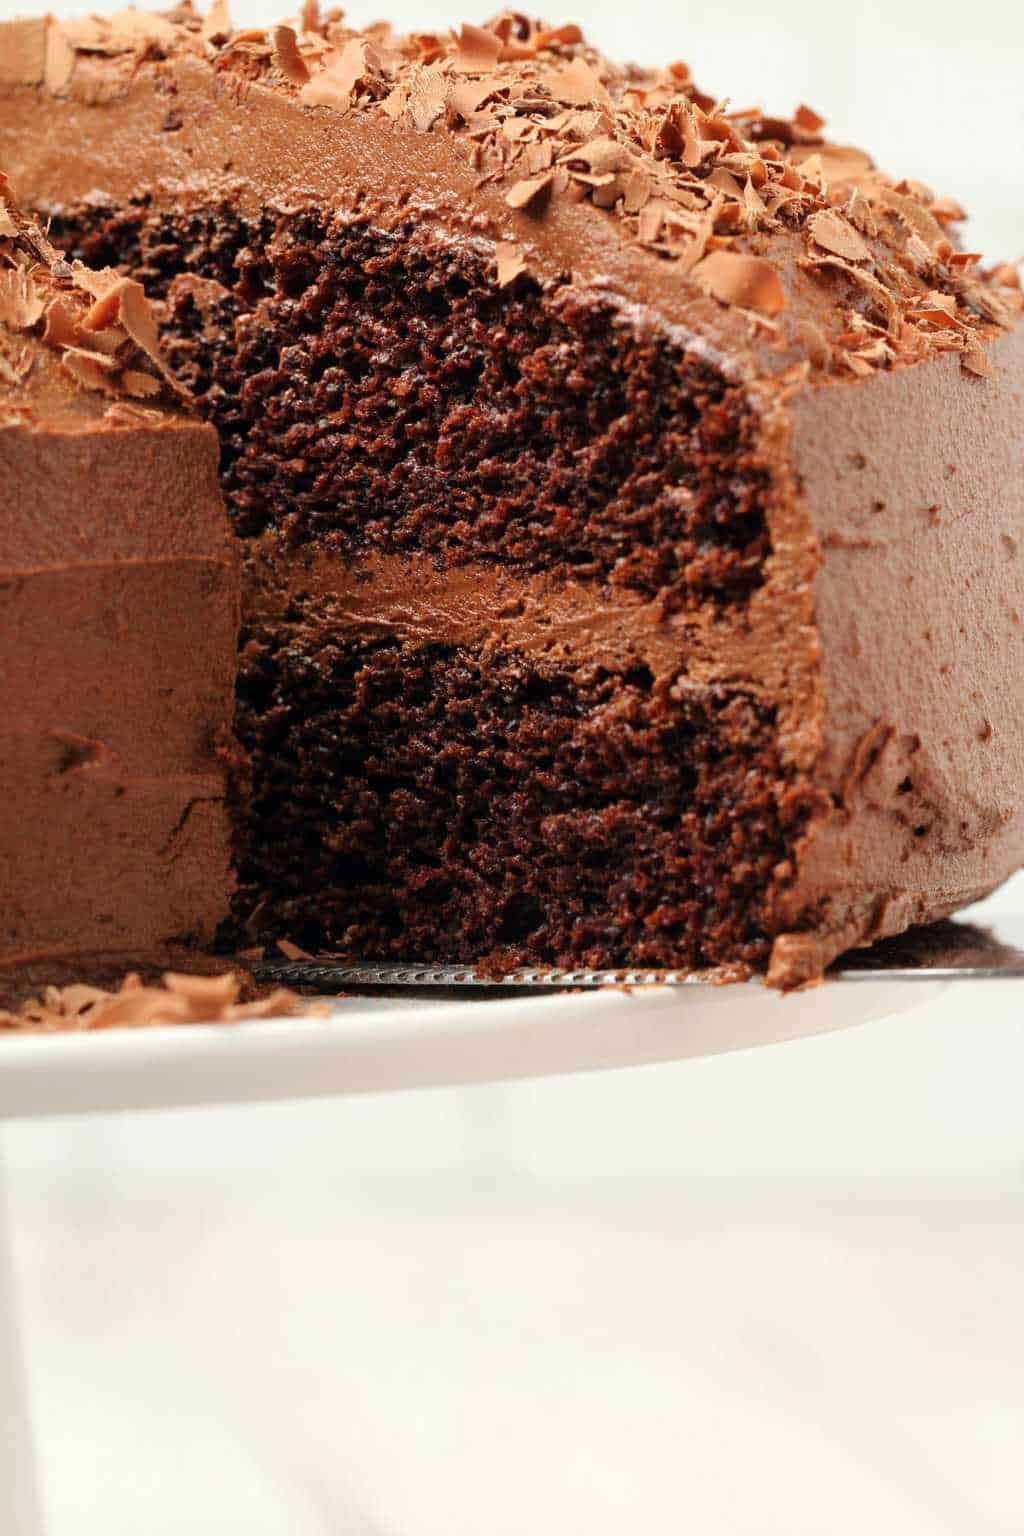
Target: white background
[(778, 1292)]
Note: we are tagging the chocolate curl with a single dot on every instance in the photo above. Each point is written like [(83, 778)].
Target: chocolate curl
[(289, 60), (749, 282), (217, 26), (123, 302)]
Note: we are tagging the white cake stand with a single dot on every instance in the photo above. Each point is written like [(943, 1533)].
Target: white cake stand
[(374, 1045)]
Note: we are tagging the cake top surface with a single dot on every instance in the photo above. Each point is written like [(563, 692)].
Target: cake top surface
[(79, 348), (827, 262)]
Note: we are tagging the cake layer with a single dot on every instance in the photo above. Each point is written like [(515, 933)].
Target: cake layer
[(374, 387), (411, 797)]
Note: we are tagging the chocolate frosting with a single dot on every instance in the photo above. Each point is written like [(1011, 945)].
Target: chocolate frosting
[(886, 367), (916, 491)]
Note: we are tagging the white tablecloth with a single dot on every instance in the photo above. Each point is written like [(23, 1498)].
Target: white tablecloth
[(775, 1292)]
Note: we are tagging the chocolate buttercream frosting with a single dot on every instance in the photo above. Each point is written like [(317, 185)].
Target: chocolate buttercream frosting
[(828, 594)]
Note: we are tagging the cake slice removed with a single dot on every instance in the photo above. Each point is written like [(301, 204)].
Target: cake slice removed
[(630, 493), (118, 629)]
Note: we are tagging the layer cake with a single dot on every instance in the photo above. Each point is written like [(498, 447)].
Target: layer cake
[(629, 491)]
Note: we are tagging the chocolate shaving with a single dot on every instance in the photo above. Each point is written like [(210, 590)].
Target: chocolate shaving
[(808, 120), (603, 155), (816, 346), (678, 137), (553, 37), (62, 327), (216, 27), (289, 60), (427, 97), (125, 302), (947, 210), (858, 211), (747, 281), (92, 370), (465, 96), (871, 285), (21, 302), (334, 85), (179, 1000), (141, 386), (510, 262), (636, 193), (974, 357), (524, 193), (836, 163), (477, 51), (831, 231), (15, 364), (60, 62), (576, 85), (96, 281), (915, 215)]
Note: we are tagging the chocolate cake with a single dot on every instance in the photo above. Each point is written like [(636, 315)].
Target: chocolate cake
[(118, 628), (629, 490)]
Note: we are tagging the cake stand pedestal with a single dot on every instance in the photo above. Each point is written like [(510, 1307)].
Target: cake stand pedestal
[(373, 1045), (20, 1513)]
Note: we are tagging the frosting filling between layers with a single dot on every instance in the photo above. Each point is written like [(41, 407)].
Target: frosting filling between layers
[(418, 600)]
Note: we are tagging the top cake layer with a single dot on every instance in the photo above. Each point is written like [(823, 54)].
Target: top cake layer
[(753, 232)]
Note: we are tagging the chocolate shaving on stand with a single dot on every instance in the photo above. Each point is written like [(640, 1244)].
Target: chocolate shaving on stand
[(178, 1000)]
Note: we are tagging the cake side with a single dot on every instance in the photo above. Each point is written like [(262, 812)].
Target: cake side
[(917, 499), (118, 626)]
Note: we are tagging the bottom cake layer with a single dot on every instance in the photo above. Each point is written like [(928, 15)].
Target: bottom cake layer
[(444, 802)]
